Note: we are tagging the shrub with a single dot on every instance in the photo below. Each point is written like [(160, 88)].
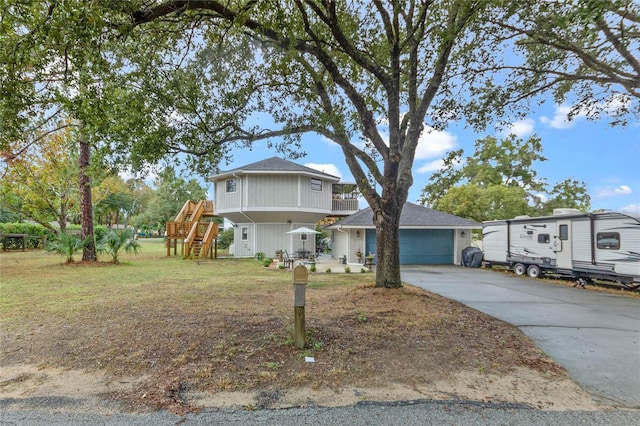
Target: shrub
[(267, 262), (328, 271), (313, 269), (66, 245), (260, 256), (113, 242), (225, 238), (347, 270), (362, 270)]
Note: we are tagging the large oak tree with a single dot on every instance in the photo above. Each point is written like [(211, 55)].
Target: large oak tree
[(368, 75)]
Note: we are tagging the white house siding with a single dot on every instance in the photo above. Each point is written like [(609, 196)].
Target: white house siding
[(345, 244), (272, 237), (228, 200), (268, 237), (272, 191), (244, 248), (312, 199), (461, 242), (357, 242)]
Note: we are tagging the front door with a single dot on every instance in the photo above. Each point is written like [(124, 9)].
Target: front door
[(562, 245)]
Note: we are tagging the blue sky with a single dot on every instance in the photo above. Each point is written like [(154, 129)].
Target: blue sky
[(606, 158)]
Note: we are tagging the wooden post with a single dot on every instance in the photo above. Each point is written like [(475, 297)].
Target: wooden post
[(300, 278)]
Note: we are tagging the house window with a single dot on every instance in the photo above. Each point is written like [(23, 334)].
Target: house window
[(244, 233), (303, 237), (608, 240), (231, 185), (316, 184), (564, 232), (543, 238)]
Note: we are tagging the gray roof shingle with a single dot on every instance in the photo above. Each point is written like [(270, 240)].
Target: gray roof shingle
[(413, 215), (275, 164)]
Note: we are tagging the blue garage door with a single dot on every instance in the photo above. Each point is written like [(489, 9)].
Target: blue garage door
[(421, 246)]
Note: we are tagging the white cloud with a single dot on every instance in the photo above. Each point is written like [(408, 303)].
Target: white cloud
[(520, 128), (617, 103), (633, 209), (325, 168), (431, 166), (434, 143), (560, 119), (609, 191), (327, 140)]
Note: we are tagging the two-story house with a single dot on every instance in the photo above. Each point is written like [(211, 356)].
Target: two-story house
[(269, 198)]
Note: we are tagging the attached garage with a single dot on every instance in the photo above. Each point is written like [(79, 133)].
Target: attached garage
[(427, 236), (421, 246)]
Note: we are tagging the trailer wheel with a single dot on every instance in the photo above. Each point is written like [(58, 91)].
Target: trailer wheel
[(533, 271), (519, 269)]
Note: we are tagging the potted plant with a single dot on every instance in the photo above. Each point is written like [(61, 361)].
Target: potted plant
[(368, 260)]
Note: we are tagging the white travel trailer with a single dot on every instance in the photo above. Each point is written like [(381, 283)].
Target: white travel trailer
[(568, 243)]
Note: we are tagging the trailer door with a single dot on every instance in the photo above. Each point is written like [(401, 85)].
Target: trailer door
[(563, 245)]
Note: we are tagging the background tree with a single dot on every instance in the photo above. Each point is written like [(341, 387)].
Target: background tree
[(55, 62), (113, 200), (170, 195), (500, 181), (42, 183), (225, 239)]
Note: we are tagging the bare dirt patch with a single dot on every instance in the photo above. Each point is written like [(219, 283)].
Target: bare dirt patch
[(192, 346)]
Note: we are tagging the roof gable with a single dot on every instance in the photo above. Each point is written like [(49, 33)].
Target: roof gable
[(413, 215), (274, 165)]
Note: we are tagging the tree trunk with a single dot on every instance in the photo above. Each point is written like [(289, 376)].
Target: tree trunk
[(89, 250), (62, 216), (387, 222)]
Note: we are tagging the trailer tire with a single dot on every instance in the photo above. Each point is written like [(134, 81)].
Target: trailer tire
[(519, 269), (533, 271)]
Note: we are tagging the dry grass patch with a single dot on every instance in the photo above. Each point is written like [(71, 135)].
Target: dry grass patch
[(226, 325)]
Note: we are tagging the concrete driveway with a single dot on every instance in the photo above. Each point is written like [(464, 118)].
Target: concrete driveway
[(594, 336)]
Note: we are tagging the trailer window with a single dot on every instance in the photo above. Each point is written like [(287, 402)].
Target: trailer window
[(564, 232), (543, 238), (244, 233), (608, 240)]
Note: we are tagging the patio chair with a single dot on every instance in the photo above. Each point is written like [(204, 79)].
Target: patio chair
[(288, 260)]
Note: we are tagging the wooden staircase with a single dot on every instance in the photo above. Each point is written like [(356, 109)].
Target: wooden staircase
[(199, 239)]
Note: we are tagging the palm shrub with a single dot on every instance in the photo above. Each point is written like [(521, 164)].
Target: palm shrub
[(113, 242), (66, 245)]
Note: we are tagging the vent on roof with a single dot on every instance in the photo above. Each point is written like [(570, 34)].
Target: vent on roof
[(559, 212)]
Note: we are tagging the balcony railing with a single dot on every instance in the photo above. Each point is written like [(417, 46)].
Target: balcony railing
[(348, 205)]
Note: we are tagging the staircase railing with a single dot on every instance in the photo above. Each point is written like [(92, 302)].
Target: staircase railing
[(178, 229), (209, 236), (197, 211), (187, 226), (184, 211), (198, 233), (191, 237)]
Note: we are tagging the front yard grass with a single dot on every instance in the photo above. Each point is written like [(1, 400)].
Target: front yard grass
[(226, 325)]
